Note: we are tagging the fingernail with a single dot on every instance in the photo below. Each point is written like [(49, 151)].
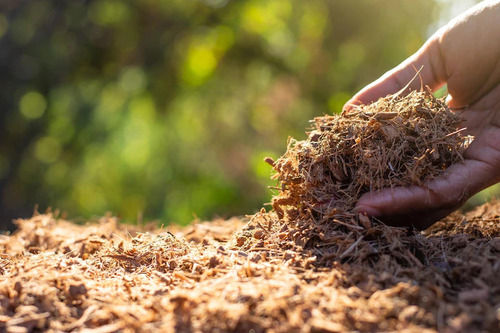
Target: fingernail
[(370, 211), (348, 106)]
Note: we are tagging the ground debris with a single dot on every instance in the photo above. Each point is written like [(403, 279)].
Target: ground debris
[(386, 280)]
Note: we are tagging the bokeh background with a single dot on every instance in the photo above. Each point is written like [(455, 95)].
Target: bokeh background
[(165, 109)]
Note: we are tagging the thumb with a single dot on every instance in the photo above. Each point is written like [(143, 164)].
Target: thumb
[(433, 74), (423, 205)]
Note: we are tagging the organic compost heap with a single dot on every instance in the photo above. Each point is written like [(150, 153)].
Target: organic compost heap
[(310, 265)]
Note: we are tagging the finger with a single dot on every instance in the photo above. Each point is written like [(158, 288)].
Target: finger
[(452, 104), (478, 117), (416, 220), (433, 74), (423, 205), (439, 196), (455, 105)]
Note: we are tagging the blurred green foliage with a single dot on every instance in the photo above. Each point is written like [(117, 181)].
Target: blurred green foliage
[(167, 108)]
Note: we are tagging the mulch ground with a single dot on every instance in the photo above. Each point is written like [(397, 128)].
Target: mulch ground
[(233, 276)]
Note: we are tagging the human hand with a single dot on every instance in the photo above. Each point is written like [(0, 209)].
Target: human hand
[(464, 54)]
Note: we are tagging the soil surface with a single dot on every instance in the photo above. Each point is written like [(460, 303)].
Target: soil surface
[(244, 275)]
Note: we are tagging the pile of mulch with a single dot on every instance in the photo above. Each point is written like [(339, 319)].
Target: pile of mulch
[(310, 265), (103, 277)]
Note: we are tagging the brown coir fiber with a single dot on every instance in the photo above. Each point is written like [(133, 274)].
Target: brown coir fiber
[(396, 141), (105, 277)]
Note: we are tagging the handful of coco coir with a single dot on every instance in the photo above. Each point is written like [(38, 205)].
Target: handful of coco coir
[(395, 141)]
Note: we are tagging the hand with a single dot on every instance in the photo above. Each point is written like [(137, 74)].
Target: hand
[(464, 54)]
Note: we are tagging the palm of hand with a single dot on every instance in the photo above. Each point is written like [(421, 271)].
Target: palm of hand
[(421, 206), (464, 56)]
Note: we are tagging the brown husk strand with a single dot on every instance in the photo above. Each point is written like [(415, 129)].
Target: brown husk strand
[(312, 265)]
